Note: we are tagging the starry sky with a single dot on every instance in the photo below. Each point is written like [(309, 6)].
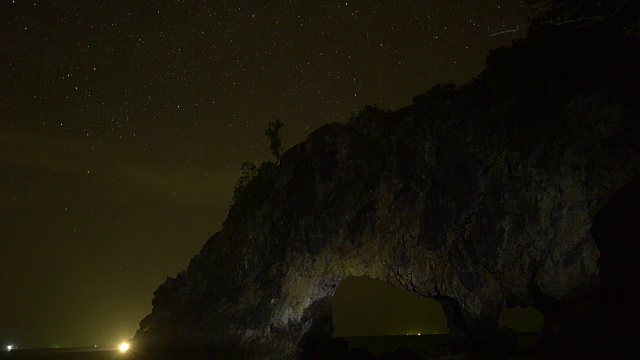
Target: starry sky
[(123, 125)]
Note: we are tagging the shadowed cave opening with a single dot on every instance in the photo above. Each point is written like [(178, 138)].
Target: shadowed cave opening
[(601, 322), (363, 306), (615, 229)]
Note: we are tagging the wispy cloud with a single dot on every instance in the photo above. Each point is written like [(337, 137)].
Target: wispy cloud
[(177, 183), (72, 163)]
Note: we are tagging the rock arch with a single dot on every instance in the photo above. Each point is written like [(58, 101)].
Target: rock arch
[(449, 198), (463, 237)]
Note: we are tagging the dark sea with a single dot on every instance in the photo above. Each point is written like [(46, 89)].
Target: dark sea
[(381, 344), (428, 346)]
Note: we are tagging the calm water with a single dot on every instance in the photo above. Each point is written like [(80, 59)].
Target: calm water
[(88, 353), (425, 344)]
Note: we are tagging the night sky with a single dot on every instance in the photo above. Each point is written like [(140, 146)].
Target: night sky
[(123, 127)]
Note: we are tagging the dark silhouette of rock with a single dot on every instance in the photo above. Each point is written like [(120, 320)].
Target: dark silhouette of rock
[(401, 353), (477, 197), (361, 354), (325, 347)]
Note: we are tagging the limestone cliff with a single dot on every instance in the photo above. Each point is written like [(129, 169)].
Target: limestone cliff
[(479, 197)]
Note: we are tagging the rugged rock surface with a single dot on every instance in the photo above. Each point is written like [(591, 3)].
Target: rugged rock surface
[(479, 197)]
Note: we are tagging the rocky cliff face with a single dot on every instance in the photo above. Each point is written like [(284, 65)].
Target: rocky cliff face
[(479, 197)]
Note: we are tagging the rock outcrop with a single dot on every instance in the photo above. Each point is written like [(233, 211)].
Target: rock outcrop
[(479, 197)]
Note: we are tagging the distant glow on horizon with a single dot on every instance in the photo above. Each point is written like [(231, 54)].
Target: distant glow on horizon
[(413, 333), (9, 347), (124, 347)]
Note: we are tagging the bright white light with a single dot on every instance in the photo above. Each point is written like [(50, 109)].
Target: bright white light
[(124, 347), (9, 347)]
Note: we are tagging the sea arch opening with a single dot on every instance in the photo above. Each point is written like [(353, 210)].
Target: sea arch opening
[(364, 306)]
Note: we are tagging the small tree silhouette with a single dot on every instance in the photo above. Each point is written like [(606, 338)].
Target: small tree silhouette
[(273, 134)]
